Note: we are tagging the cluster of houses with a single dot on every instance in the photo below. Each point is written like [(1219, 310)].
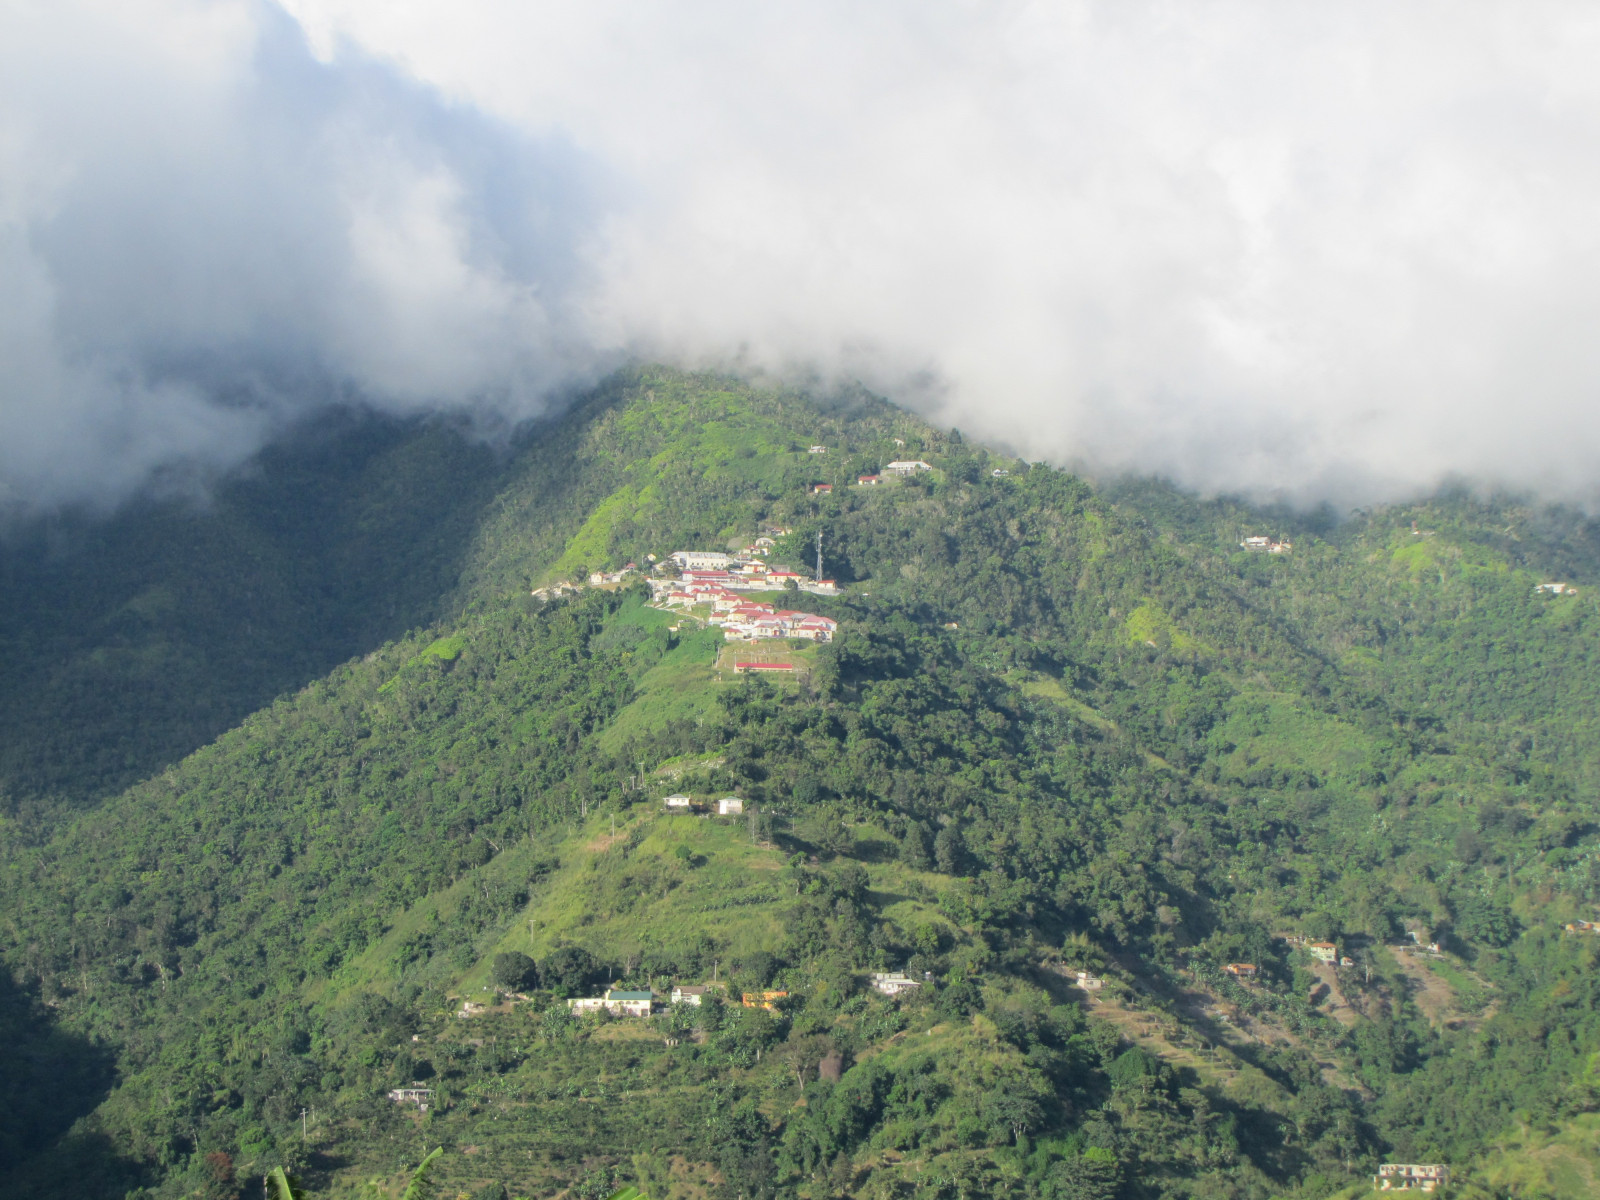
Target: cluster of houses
[(747, 571), (1556, 589), (602, 578), (557, 590), (895, 470), (642, 1002), (739, 616), (1267, 545), (1325, 952), (1582, 926), (728, 806)]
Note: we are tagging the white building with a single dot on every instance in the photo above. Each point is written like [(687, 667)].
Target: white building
[(1267, 545), (907, 466), (729, 806), (1090, 982), (694, 995), (691, 560), (893, 983), (616, 1001), (679, 802), (1323, 951)]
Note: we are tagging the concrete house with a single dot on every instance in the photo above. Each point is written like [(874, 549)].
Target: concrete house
[(1089, 981), (678, 803), (617, 1002), (893, 983), (420, 1096), (693, 994), (1267, 545), (1323, 951), (730, 806), (1411, 1177), (907, 467), (1241, 970)]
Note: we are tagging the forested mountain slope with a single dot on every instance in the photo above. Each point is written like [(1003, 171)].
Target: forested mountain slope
[(1061, 729)]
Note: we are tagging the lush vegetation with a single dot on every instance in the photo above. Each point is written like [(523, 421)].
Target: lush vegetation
[(1061, 729)]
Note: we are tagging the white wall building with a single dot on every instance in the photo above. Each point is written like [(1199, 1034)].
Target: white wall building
[(691, 560), (893, 983)]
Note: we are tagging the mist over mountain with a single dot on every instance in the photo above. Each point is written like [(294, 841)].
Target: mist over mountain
[(1338, 253)]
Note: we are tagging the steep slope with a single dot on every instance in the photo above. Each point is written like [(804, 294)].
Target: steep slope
[(1059, 730), (131, 641)]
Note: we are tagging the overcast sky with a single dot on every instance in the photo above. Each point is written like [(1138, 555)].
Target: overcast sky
[(1301, 249)]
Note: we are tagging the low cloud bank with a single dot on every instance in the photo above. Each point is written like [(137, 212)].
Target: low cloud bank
[(206, 234), (1317, 252)]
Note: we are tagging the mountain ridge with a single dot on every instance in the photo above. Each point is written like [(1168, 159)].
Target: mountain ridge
[(1137, 742)]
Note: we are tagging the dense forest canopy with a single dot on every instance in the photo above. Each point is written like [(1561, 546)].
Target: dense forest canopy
[(291, 775)]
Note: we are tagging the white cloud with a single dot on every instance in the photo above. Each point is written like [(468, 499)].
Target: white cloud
[(204, 234), (1314, 249)]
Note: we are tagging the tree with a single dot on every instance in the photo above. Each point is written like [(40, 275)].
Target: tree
[(1093, 1175), (914, 847), (569, 970), (950, 851), (515, 971)]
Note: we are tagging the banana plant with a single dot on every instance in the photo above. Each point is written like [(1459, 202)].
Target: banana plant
[(421, 1187)]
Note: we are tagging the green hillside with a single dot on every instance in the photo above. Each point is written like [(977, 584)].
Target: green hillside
[(1061, 729)]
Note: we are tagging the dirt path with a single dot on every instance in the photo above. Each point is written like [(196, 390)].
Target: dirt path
[(1156, 1033), (1435, 997), (1334, 1003)]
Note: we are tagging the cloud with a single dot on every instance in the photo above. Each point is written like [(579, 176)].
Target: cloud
[(206, 233), (1315, 251)]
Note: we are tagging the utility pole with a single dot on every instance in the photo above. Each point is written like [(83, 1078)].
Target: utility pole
[(819, 556), (302, 1122)]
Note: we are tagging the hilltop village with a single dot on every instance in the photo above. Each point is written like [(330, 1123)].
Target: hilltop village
[(719, 585)]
